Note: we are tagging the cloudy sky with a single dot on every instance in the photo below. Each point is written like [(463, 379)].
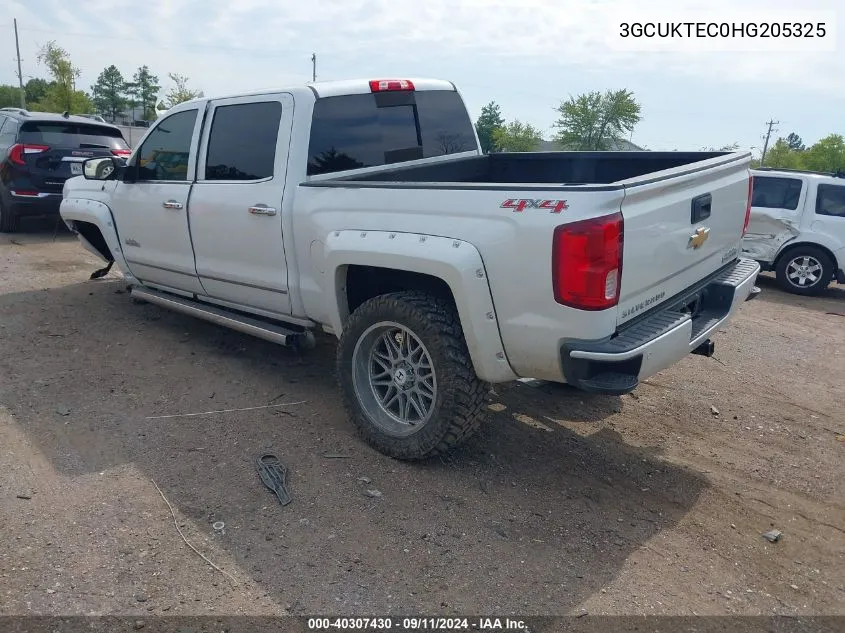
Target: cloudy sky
[(526, 55)]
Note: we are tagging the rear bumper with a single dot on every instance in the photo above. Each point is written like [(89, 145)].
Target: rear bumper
[(39, 204), (661, 338)]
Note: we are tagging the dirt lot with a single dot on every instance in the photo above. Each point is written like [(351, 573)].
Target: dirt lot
[(652, 503)]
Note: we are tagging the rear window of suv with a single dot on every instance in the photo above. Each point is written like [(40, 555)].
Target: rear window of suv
[(776, 193), (71, 135), (369, 130)]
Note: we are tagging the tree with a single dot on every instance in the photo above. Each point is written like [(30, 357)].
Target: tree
[(517, 137), (36, 89), (60, 95), (828, 154), (109, 92), (10, 96), (782, 155), (725, 148), (490, 120), (180, 92), (593, 121), (794, 142), (145, 88)]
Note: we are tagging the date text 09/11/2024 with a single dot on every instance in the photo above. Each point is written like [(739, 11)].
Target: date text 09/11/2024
[(417, 624)]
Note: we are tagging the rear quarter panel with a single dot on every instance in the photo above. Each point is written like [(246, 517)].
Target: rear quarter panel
[(515, 247)]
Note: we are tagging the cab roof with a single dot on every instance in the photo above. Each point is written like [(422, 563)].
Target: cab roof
[(320, 89)]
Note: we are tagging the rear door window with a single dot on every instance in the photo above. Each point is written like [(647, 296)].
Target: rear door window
[(242, 141), (830, 200), (776, 193), (369, 130), (71, 135)]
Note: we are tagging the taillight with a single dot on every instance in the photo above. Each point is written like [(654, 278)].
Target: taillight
[(17, 152), (748, 206), (123, 153), (587, 262), (390, 85)]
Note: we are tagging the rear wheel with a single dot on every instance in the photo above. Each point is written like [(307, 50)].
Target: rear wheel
[(406, 377), (805, 270), (8, 220)]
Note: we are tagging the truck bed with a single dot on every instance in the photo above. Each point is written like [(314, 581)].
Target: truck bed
[(559, 168)]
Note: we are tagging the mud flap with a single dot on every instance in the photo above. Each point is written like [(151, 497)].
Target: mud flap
[(102, 272)]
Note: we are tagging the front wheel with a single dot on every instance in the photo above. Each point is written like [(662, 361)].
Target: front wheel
[(805, 270), (406, 378)]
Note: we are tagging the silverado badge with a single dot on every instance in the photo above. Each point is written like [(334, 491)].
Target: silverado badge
[(698, 238)]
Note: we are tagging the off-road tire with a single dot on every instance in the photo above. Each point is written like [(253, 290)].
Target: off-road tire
[(460, 398)]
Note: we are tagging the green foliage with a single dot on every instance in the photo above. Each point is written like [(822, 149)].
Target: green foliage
[(180, 92), (109, 89), (61, 94), (10, 96), (490, 120), (517, 137), (144, 88), (794, 142), (36, 89), (828, 154), (781, 155), (56, 100), (592, 121)]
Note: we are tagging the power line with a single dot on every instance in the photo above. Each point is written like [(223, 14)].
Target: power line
[(770, 123)]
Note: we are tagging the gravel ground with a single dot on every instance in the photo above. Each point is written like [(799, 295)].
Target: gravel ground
[(565, 503)]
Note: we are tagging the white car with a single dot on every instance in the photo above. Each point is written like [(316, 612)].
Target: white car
[(797, 228), (367, 209)]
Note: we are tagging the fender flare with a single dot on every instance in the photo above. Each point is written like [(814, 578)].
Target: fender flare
[(456, 262), (98, 214)]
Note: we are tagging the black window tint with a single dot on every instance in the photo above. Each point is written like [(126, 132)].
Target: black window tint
[(445, 124), (71, 135), (164, 155), (242, 142), (368, 130), (776, 193), (830, 200)]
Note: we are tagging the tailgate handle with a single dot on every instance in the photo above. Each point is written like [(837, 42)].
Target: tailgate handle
[(701, 208)]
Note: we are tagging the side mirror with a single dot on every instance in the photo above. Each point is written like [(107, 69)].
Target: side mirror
[(100, 168)]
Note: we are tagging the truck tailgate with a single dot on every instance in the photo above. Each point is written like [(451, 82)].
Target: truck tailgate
[(680, 226)]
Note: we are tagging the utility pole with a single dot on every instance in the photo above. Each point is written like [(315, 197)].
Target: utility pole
[(20, 74), (770, 123), (313, 66)]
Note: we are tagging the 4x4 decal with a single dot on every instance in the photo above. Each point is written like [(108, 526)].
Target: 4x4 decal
[(519, 205)]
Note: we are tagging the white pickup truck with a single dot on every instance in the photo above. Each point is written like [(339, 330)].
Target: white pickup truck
[(367, 209)]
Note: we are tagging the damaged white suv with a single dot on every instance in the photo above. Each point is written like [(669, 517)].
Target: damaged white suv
[(797, 228)]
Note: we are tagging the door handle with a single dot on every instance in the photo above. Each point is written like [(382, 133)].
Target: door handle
[(172, 204), (261, 209)]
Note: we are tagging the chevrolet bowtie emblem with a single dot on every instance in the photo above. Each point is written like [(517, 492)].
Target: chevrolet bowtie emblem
[(698, 238)]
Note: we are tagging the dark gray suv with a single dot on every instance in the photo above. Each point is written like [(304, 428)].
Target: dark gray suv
[(39, 151)]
